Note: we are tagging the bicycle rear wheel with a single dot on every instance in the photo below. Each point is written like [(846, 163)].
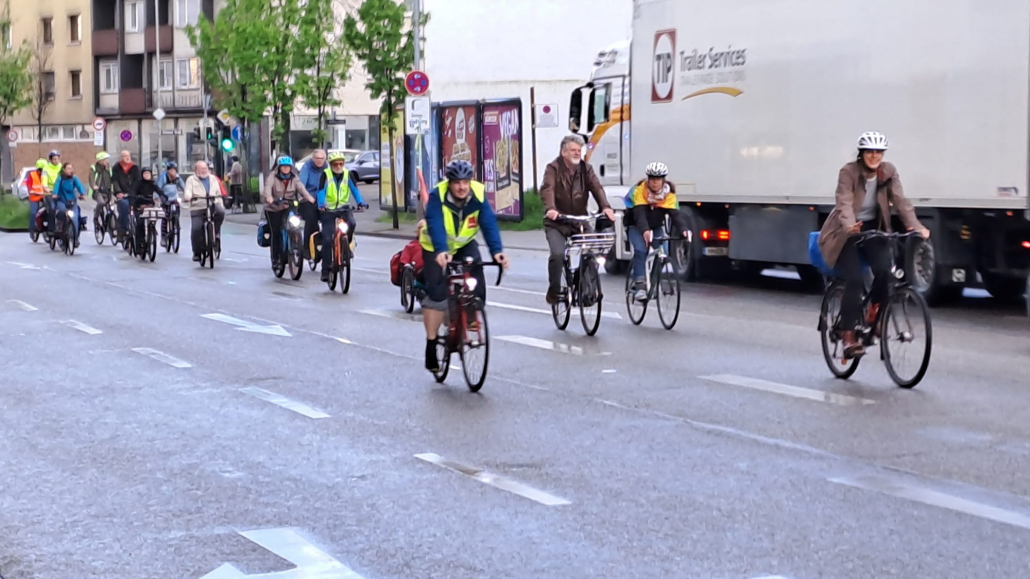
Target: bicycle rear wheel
[(906, 337), (829, 329), (668, 294), (636, 309), (408, 289), (589, 296), (562, 310), (475, 348)]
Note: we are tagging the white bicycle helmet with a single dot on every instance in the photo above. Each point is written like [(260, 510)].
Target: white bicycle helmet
[(657, 170), (872, 141)]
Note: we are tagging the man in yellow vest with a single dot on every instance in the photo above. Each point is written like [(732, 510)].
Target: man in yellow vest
[(51, 171), (334, 201), (34, 185), (456, 212)]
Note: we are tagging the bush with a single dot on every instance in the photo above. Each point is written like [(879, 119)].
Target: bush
[(14, 213)]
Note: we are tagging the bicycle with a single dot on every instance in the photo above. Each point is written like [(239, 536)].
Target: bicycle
[(339, 267), (151, 215), (292, 231), (65, 235), (212, 248), (662, 284), (468, 338), (171, 230), (104, 223), (894, 319), (585, 254)]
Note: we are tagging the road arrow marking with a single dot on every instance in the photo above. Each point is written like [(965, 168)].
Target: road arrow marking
[(244, 326), (81, 327), (284, 402), (310, 561), (162, 357), (22, 306)]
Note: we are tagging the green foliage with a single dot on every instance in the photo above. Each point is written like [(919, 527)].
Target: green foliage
[(533, 214), (14, 212), (328, 66), (15, 75)]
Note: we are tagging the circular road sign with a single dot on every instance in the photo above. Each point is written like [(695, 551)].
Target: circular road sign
[(417, 83)]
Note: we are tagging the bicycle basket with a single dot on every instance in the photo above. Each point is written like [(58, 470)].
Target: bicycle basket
[(592, 243), (153, 213)]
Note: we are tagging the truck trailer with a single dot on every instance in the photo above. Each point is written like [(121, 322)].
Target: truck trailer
[(756, 105)]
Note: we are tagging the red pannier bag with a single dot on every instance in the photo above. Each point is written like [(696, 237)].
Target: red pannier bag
[(412, 253)]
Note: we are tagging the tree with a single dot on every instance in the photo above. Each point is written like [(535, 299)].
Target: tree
[(15, 76), (382, 41), (331, 66), (42, 95)]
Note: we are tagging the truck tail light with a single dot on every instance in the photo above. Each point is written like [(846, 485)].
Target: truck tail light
[(1026, 245), (718, 234)]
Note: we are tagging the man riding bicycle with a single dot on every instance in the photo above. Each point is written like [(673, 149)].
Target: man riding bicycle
[(201, 186), (100, 180), (334, 201), (567, 180), (51, 173), (866, 188), (649, 202), (34, 185), (454, 215), (281, 188)]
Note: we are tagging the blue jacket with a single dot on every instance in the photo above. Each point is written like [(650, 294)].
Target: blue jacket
[(324, 186), (171, 189), (68, 189), (487, 221), (311, 178)]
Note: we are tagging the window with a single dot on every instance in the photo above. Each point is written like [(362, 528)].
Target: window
[(165, 75), (68, 133), (189, 73), (53, 133), (75, 28), (48, 31), (598, 108), (48, 85), (133, 16), (76, 84), (108, 77), (186, 12)]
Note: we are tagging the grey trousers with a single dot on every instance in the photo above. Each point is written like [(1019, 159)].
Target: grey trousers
[(556, 244)]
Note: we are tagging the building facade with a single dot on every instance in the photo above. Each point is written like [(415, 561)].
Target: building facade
[(60, 115), (143, 62)]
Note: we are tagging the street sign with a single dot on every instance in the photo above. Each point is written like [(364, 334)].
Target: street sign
[(417, 83), (546, 116), (237, 133), (159, 113), (416, 115), (12, 137), (125, 136), (223, 116), (98, 139), (99, 124)]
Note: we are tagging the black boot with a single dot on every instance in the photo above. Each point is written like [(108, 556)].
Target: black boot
[(432, 364)]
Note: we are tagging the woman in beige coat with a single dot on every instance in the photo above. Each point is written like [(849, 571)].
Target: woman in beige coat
[(866, 189), (281, 188)]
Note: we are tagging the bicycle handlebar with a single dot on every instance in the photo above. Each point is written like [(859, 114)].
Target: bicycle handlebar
[(458, 268), (866, 235), (578, 218)]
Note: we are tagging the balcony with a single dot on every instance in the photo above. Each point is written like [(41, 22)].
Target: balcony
[(105, 42), (181, 100), (166, 39), (132, 101)]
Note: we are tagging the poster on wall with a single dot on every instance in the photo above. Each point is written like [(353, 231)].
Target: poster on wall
[(422, 178), (502, 158), (459, 135), (391, 169)]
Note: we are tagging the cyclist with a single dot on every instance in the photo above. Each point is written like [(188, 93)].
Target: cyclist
[(201, 185), (334, 201), (51, 172), (649, 202), (34, 185), (454, 215), (66, 190), (866, 188), (124, 177), (100, 179), (170, 184), (567, 181), (281, 187), (312, 176), (143, 196)]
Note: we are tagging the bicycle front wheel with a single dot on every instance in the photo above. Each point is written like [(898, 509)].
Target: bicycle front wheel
[(151, 242), (832, 340), (112, 229), (906, 337), (668, 294), (561, 311), (589, 296), (443, 356), (636, 309), (475, 347), (98, 229), (296, 259)]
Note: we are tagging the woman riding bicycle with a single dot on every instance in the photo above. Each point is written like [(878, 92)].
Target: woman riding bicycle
[(141, 197), (68, 189), (649, 202), (281, 187), (866, 189), (454, 215)]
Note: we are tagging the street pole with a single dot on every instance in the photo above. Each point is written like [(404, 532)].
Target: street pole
[(203, 127), (532, 116), (416, 21), (157, 83)]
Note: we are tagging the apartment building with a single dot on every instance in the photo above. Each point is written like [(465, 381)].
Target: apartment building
[(143, 61), (61, 113)]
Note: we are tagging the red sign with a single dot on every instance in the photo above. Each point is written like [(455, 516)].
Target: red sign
[(417, 83)]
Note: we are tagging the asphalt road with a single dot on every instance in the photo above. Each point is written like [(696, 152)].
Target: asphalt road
[(160, 420)]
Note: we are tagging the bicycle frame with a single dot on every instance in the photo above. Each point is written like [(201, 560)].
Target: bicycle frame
[(461, 294), (582, 246)]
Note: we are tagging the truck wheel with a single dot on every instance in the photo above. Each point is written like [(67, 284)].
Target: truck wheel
[(1006, 289), (921, 271)]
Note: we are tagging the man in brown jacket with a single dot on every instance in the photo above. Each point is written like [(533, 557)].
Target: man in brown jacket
[(567, 181)]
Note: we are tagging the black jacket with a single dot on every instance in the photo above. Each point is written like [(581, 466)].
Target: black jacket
[(144, 193), (125, 182)]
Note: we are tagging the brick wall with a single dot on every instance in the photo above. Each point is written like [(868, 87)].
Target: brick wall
[(79, 154)]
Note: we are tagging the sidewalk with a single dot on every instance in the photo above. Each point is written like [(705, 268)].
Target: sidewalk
[(367, 224)]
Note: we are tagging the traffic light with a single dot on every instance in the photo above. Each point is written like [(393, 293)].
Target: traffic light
[(228, 145), (209, 134)]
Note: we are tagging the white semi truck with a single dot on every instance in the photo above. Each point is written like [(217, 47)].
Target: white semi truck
[(755, 105)]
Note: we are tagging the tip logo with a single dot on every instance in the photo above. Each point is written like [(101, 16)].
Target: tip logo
[(662, 71)]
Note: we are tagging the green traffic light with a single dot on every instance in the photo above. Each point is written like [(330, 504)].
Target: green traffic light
[(227, 145)]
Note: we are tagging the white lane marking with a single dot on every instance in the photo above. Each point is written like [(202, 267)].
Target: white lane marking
[(543, 344), (75, 324), (369, 270), (245, 326), (24, 265), (162, 357), (284, 402), (772, 577), (23, 306), (393, 315), (310, 561), (901, 489), (229, 259), (609, 371), (518, 291), (494, 480), (787, 390), (611, 315)]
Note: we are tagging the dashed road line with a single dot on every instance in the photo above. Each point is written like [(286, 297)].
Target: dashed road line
[(162, 357), (284, 402), (495, 480), (543, 344), (77, 325), (788, 390), (23, 306)]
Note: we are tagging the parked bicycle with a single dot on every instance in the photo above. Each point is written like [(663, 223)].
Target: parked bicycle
[(662, 283), (903, 320), (585, 254), (467, 332)]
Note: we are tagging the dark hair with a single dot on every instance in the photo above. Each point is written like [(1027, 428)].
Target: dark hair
[(65, 166)]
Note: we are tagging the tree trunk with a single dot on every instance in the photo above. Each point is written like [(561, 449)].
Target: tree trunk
[(393, 157)]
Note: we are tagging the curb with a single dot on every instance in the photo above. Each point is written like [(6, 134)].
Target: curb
[(6, 230)]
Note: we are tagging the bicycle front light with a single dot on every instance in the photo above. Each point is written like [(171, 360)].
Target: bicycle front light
[(471, 283), (343, 227), (70, 213), (899, 272), (294, 221), (601, 260)]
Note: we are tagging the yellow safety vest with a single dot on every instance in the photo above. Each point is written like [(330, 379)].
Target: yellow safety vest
[(336, 197), (50, 175), (469, 225)]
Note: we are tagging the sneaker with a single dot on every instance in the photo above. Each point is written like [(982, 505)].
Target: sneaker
[(196, 258), (639, 289), (852, 347), (325, 275), (432, 364), (552, 297)]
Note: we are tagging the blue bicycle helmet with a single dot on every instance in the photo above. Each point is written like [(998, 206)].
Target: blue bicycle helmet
[(172, 165), (285, 160), (459, 170)]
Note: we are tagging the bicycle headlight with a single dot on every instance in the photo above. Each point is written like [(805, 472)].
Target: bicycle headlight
[(601, 260), (294, 221), (343, 227), (70, 213), (899, 272), (471, 283)]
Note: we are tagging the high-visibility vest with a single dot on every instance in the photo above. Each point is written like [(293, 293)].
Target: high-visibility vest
[(50, 175), (35, 186), (336, 197), (456, 237)]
